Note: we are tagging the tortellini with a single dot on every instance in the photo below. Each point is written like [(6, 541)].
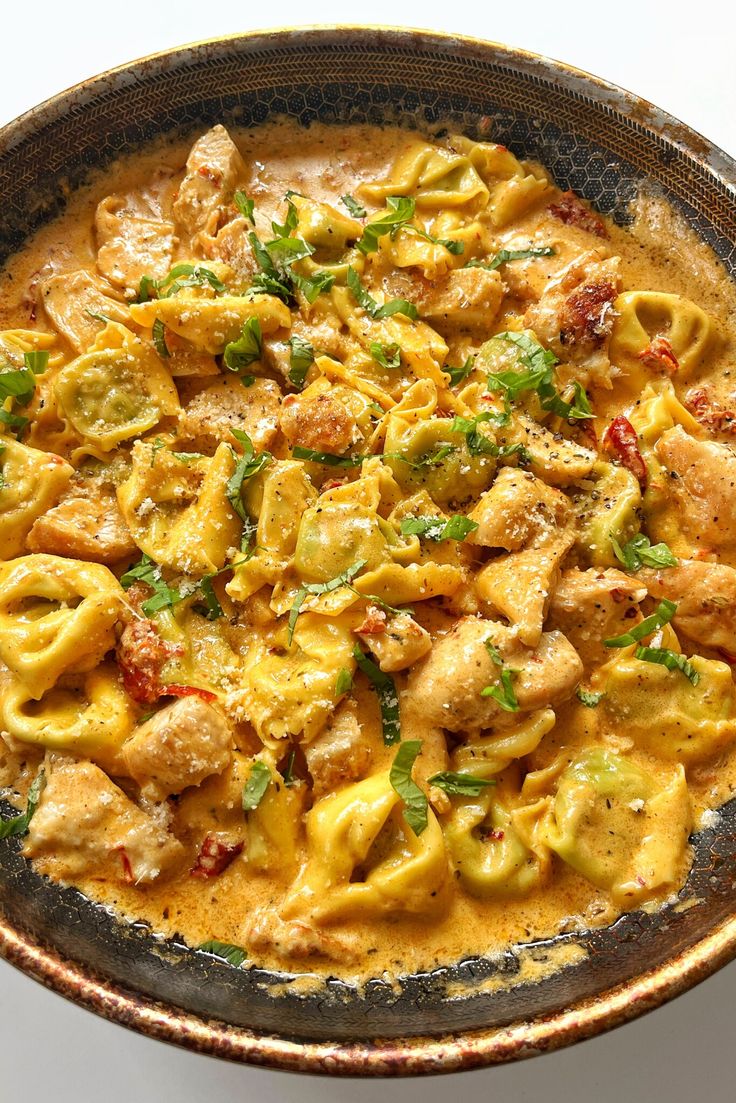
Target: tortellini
[(117, 390), (212, 323), (642, 315), (177, 509), (56, 617), (364, 860), (608, 509), (32, 482), (275, 828), (612, 822)]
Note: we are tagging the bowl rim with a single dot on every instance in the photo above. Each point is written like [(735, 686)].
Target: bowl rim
[(375, 1057)]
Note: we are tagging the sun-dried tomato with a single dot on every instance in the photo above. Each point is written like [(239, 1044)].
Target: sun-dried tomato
[(570, 209), (659, 354), (214, 857), (374, 623), (187, 691), (621, 441)]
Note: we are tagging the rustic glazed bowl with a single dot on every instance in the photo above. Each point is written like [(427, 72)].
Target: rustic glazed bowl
[(603, 143)]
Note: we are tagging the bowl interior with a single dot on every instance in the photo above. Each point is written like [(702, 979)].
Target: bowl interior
[(597, 140)]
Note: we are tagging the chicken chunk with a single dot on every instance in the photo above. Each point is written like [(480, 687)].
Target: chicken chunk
[(591, 606), (213, 168), (179, 746), (702, 483), (705, 594), (208, 417), (86, 826), (87, 524), (341, 752), (449, 683), (129, 246), (321, 422), (77, 304), (517, 511), (465, 297), (233, 248), (518, 586), (399, 644)]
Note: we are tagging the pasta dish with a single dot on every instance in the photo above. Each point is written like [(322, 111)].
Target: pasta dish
[(368, 546)]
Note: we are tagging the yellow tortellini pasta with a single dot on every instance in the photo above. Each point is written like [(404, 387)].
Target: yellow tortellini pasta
[(178, 510), (275, 828), (32, 482), (609, 508), (90, 716), (363, 859), (437, 178), (613, 823), (643, 315), (212, 323), (56, 617)]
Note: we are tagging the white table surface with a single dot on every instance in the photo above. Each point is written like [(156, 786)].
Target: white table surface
[(678, 55)]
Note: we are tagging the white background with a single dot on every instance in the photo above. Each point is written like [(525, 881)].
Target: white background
[(678, 55)]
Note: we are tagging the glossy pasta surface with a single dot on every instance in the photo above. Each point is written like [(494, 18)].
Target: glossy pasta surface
[(368, 549)]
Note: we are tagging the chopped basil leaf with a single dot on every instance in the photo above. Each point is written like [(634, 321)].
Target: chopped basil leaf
[(158, 332), (479, 444), (245, 205), (312, 286), (640, 552), (588, 697), (214, 609), (353, 206), (246, 466), (288, 774), (369, 304), (539, 363), (190, 275), (308, 589), (457, 248), (18, 825), (187, 457), (291, 222), (400, 211), (414, 798), (247, 349), (156, 447), (460, 784), (662, 615), (255, 787), (233, 955), (503, 256), (20, 385), (2, 477), (14, 421), (430, 459), (493, 652), (388, 698), (36, 362), (327, 458), (671, 659), (301, 358), (164, 596), (437, 528), (504, 694), (147, 289), (99, 316), (344, 682), (458, 374), (388, 356)]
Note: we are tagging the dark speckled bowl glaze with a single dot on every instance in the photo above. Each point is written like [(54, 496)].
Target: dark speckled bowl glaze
[(603, 143)]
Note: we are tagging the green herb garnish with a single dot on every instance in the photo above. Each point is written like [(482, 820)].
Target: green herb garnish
[(414, 798), (388, 356), (255, 787), (245, 205), (460, 784), (158, 332), (588, 697), (437, 528), (640, 552), (344, 682), (301, 358), (327, 458), (233, 955), (308, 589), (246, 466), (247, 349), (538, 363), (503, 256), (353, 206), (369, 304), (670, 659), (458, 374), (164, 596), (189, 275), (388, 698), (18, 825), (662, 615)]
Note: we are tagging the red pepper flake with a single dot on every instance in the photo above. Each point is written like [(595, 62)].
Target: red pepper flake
[(187, 691), (214, 857), (571, 210), (330, 484), (127, 868), (659, 354), (621, 441), (141, 655), (709, 412), (210, 174)]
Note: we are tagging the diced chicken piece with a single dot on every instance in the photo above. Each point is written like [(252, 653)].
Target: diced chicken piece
[(321, 422), (705, 594), (449, 683), (341, 752), (591, 606), (400, 644), (323, 335), (529, 279), (701, 480), (518, 586), (73, 299), (214, 166), (293, 938), (518, 510), (233, 247), (130, 247), (179, 746), (86, 826), (465, 297), (556, 460), (87, 524), (210, 416)]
